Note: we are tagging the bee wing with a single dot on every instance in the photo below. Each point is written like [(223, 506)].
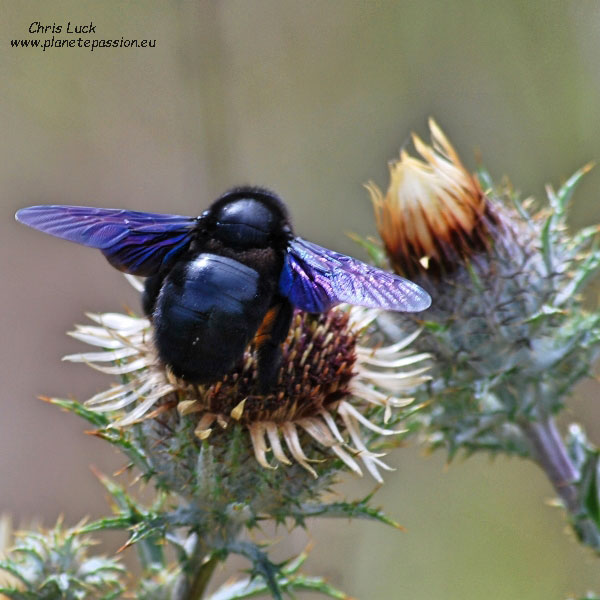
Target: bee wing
[(314, 279), (136, 242)]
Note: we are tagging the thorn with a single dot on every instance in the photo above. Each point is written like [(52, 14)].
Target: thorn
[(96, 433), (122, 470)]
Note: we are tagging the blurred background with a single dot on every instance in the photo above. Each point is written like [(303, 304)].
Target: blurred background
[(311, 98)]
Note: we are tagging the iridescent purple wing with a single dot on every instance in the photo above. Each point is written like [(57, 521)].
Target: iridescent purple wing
[(314, 279), (136, 242)]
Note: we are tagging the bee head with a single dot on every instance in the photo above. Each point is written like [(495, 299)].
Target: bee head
[(248, 217)]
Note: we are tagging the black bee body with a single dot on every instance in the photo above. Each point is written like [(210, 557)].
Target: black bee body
[(209, 305), (230, 277)]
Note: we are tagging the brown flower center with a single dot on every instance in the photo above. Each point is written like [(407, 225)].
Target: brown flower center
[(316, 369)]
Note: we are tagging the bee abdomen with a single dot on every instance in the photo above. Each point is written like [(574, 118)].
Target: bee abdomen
[(207, 312)]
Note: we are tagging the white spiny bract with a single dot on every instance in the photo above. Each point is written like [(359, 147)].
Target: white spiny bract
[(55, 565)]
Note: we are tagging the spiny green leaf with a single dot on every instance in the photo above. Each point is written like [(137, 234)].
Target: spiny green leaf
[(547, 250), (565, 192), (485, 179), (54, 564), (545, 312), (9, 567), (293, 565), (586, 269), (240, 590), (120, 522), (118, 438), (359, 509), (516, 202), (122, 499), (590, 487), (289, 581), (583, 237), (97, 419), (147, 528), (262, 566), (101, 421)]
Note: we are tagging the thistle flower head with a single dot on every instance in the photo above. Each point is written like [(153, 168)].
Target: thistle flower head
[(323, 369), (334, 402), (55, 564), (506, 326), (434, 212)]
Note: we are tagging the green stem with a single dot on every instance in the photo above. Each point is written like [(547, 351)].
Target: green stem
[(196, 575), (550, 453), (201, 579)]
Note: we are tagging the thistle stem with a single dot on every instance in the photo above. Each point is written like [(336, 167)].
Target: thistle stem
[(201, 579), (550, 453), (196, 576)]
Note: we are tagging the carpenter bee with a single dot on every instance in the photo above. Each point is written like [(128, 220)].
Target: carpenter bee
[(232, 276)]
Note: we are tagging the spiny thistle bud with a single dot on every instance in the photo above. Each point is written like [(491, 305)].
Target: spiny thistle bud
[(55, 564), (236, 455), (507, 326), (434, 214)]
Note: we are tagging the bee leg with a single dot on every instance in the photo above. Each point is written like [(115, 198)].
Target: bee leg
[(269, 337)]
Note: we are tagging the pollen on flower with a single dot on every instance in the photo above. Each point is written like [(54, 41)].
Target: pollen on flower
[(327, 387), (434, 212)]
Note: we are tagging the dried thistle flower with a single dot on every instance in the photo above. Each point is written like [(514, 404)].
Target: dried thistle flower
[(507, 326), (434, 212)]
